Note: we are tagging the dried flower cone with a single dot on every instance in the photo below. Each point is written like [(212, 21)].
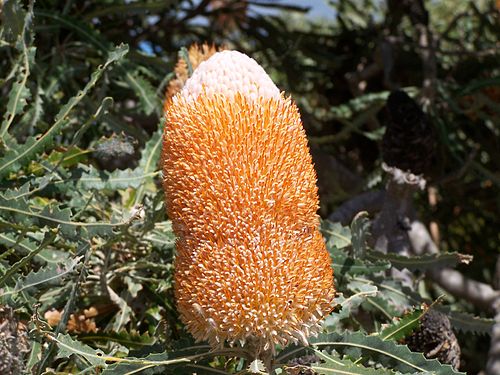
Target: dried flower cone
[(251, 265)]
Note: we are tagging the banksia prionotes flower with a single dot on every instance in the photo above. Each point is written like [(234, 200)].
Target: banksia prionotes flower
[(251, 265)]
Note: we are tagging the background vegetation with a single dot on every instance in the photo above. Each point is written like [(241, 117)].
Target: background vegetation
[(85, 247)]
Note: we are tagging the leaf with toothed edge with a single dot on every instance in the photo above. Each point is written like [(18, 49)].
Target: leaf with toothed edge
[(421, 263), (332, 364), (347, 305), (15, 159), (402, 327), (51, 274), (387, 353), (359, 230), (467, 322), (343, 264), (336, 235), (67, 347)]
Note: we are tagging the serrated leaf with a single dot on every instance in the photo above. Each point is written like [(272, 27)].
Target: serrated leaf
[(162, 235), (336, 235), (19, 93), (96, 179), (359, 104), (32, 116), (144, 91), (53, 216), (152, 364), (334, 365), (347, 305), (343, 264), (402, 327), (49, 274), (421, 263), (148, 163), (67, 347), (359, 230), (16, 158), (129, 339), (13, 20), (387, 353), (49, 238), (184, 55), (123, 316), (398, 296), (468, 323)]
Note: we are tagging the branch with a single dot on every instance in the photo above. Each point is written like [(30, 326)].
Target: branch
[(480, 294), (493, 363), (370, 201), (390, 227), (426, 43)]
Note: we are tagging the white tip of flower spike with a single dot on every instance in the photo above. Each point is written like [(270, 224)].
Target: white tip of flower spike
[(228, 73)]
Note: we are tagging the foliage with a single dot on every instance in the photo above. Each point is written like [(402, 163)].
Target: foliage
[(85, 246)]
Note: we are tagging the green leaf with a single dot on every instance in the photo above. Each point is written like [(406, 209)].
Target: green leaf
[(336, 235), (49, 238), (148, 163), (123, 316), (157, 363), (129, 339), (333, 365), (398, 296), (387, 353), (343, 264), (19, 93), (95, 179), (162, 235), (421, 263), (67, 347), (347, 306), (359, 229), (52, 273), (478, 84), (359, 104), (402, 327), (145, 92), (13, 20), (53, 216), (468, 323), (16, 158), (184, 55)]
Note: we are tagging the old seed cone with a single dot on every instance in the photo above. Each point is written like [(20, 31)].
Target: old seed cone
[(409, 140)]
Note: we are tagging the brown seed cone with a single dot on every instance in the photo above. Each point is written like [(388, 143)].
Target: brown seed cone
[(436, 339), (409, 141)]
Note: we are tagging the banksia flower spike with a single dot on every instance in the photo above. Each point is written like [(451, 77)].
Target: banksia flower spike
[(251, 267)]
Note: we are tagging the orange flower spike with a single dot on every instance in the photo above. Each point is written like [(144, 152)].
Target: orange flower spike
[(251, 266)]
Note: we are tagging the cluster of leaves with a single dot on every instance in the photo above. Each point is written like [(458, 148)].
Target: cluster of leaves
[(85, 247)]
